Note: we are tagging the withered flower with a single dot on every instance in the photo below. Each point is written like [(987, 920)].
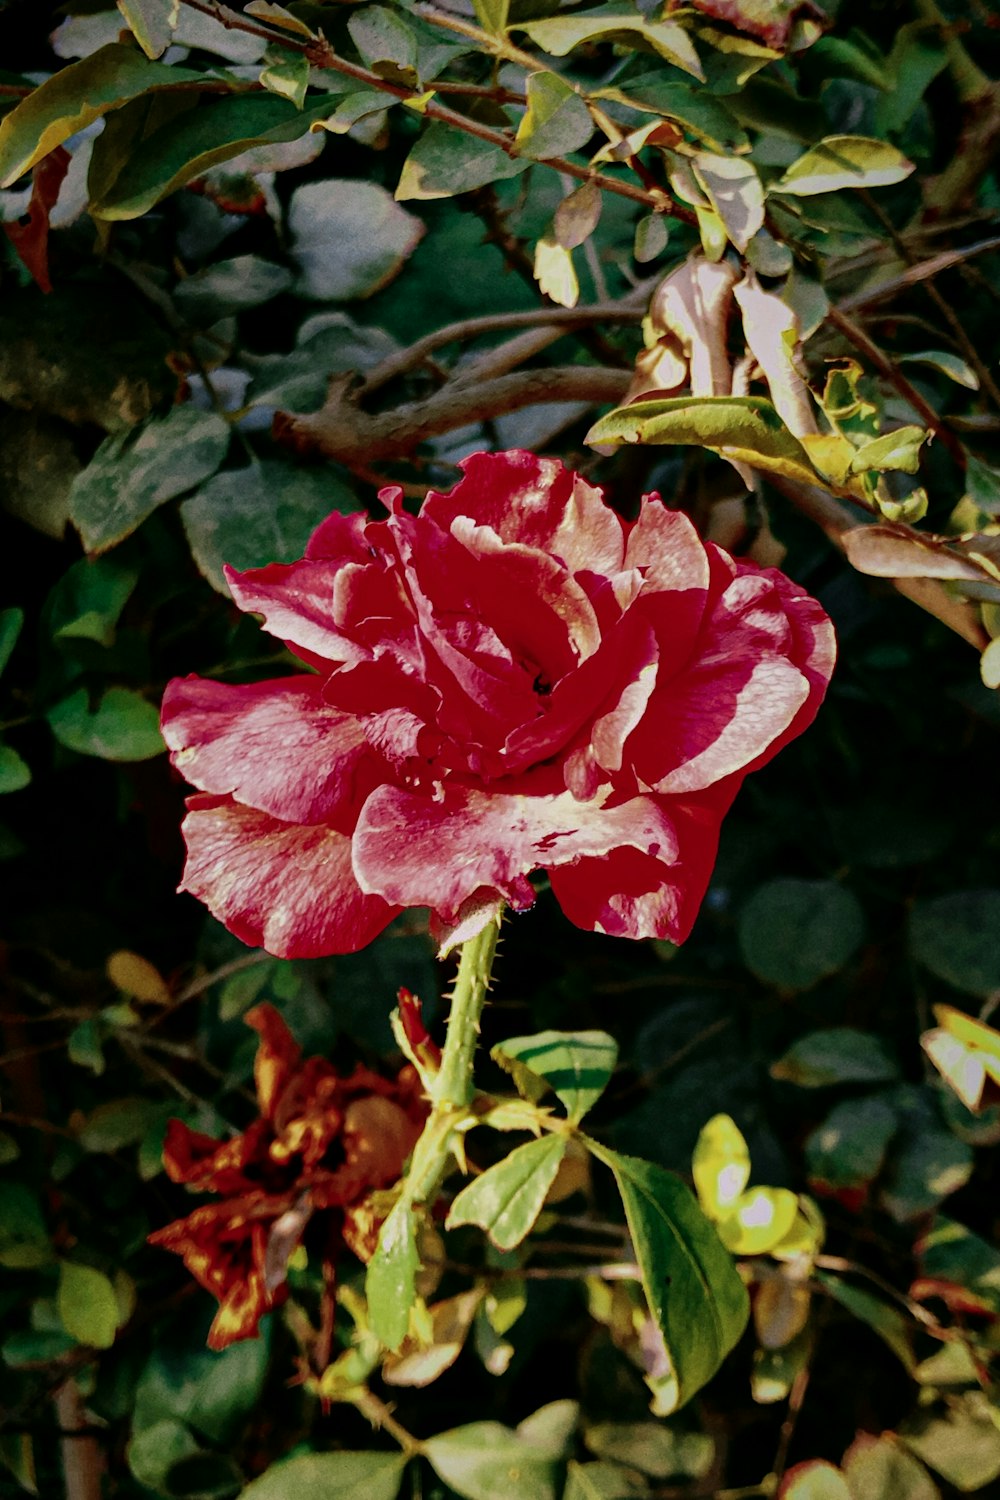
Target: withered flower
[(321, 1145)]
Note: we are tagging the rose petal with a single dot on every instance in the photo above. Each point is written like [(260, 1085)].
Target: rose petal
[(420, 852), (339, 538), (287, 888), (629, 893), (537, 502), (736, 700), (276, 746), (278, 1056), (813, 649), (214, 1166), (296, 601), (541, 612)]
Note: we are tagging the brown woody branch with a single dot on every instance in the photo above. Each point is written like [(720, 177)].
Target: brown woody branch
[(557, 320), (341, 430)]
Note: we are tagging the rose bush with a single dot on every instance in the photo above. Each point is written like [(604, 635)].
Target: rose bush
[(513, 680), (307, 1165)]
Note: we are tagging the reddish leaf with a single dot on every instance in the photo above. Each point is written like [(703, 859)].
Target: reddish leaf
[(30, 238)]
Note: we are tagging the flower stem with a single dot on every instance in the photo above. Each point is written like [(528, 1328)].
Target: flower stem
[(453, 1087), (391, 1280)]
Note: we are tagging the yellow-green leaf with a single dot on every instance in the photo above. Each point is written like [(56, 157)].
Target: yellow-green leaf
[(843, 161), (76, 96), (507, 1198), (720, 1165)]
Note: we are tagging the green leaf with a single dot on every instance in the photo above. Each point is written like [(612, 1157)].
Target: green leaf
[(735, 192), (887, 1321), (928, 1162), (692, 1287), (75, 97), (24, 1239), (576, 1065), (651, 236), (262, 514), (136, 172), (602, 1481), (492, 15), (123, 726), (814, 1480), (134, 472), (390, 1281), (89, 598), (652, 1447), (382, 36), (843, 161), (894, 450), (838, 1055), (957, 937), (695, 110), (354, 107), (330, 1476), (507, 1198), (150, 23), (487, 1461), (85, 1046), (744, 428), (348, 238), (556, 121), (577, 216), (96, 358), (88, 1307), (982, 484), (231, 286), (793, 933), (615, 23), (117, 1123), (952, 1252), (949, 364), (445, 162), (15, 773), (880, 1468), (212, 1392), (153, 1450), (849, 1149), (961, 1442), (11, 622), (286, 74)]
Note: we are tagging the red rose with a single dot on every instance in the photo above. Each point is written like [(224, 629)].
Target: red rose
[(513, 680)]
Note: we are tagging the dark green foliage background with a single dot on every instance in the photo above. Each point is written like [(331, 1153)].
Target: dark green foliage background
[(842, 897)]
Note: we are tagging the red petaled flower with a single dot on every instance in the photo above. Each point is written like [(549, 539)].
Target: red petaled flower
[(321, 1145), (513, 680)]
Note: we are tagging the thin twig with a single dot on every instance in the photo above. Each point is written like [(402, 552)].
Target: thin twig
[(630, 309), (917, 272), (321, 55), (968, 348)]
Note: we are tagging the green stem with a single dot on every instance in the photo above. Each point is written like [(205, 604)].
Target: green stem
[(453, 1088), (390, 1282)]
